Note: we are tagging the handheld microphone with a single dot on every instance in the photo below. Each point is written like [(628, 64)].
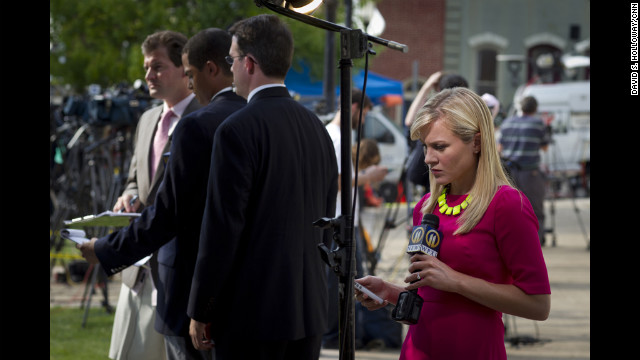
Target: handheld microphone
[(426, 239)]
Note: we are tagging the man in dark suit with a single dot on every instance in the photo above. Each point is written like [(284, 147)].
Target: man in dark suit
[(259, 289), (178, 207)]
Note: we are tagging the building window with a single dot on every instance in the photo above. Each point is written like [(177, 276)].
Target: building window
[(487, 66)]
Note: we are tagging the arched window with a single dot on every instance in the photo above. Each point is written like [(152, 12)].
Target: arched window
[(484, 75), (544, 53), (486, 81), (544, 65)]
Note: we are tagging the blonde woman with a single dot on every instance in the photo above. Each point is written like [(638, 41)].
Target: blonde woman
[(490, 261)]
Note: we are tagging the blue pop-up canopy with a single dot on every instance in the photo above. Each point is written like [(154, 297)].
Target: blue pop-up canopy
[(300, 83), (377, 85)]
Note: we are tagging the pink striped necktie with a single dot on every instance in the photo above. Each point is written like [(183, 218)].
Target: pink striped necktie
[(159, 141)]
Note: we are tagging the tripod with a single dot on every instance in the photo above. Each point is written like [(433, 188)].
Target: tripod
[(390, 218), (557, 181), (89, 180), (511, 333)]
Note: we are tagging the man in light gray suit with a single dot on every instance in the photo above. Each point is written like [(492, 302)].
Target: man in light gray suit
[(134, 336)]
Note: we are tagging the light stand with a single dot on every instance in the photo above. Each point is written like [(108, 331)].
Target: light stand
[(353, 45)]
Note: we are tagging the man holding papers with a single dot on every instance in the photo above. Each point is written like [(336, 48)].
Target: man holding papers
[(180, 201)]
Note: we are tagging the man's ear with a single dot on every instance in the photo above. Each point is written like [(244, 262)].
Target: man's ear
[(250, 64), (211, 68)]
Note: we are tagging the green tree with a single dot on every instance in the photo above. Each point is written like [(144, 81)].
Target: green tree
[(98, 41)]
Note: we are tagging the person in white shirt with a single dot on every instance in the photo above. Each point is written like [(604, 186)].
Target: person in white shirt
[(372, 173)]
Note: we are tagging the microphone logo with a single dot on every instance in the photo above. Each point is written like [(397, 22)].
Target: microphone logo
[(417, 234), (433, 239), (424, 239)]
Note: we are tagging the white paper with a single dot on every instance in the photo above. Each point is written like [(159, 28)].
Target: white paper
[(75, 235), (80, 237)]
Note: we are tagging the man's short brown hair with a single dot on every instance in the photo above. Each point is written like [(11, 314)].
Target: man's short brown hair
[(356, 97)]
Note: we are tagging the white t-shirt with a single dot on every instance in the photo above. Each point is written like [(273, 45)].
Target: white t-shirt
[(334, 132)]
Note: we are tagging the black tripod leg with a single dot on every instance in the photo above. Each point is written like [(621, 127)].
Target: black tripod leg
[(89, 288), (584, 231), (105, 291), (553, 222)]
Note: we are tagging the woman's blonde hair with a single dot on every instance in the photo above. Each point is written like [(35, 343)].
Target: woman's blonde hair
[(465, 114)]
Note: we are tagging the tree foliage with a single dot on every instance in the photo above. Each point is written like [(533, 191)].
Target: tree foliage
[(98, 41)]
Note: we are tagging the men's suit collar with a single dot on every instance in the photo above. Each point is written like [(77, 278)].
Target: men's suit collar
[(269, 91), (223, 91)]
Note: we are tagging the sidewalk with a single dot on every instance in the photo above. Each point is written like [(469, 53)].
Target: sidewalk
[(565, 335)]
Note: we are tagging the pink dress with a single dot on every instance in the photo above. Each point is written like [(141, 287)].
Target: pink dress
[(503, 248)]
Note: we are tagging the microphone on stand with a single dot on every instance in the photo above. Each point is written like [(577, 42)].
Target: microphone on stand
[(425, 239)]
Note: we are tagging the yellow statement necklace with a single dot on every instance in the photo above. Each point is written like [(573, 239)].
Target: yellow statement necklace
[(451, 210)]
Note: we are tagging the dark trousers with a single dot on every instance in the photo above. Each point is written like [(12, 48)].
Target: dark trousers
[(533, 184), (238, 349)]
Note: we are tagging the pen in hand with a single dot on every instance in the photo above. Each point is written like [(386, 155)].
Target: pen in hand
[(131, 202)]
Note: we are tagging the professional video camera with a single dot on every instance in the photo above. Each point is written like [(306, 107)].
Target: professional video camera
[(122, 105)]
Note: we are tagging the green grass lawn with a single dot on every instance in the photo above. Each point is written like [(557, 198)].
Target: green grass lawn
[(68, 340)]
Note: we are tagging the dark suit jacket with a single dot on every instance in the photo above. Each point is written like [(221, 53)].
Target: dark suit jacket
[(259, 273), (176, 212), (138, 182)]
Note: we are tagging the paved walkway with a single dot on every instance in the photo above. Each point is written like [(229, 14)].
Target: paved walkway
[(565, 335)]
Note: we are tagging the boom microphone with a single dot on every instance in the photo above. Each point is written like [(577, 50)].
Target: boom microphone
[(425, 239)]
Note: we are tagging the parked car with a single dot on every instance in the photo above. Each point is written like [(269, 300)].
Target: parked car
[(393, 146)]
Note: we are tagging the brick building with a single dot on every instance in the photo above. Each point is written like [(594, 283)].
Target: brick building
[(497, 45)]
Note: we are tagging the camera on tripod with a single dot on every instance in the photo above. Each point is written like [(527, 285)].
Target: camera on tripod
[(122, 105)]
